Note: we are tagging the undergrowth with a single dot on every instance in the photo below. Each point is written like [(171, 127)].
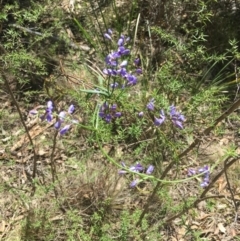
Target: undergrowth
[(122, 105)]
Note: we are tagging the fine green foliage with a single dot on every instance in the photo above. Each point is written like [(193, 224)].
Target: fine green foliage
[(119, 101)]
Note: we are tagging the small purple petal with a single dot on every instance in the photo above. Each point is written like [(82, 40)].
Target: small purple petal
[(107, 71), (110, 31), (191, 172), (181, 117), (61, 115), (203, 169), (33, 112), (118, 114), (137, 168), (132, 80), (150, 170), (121, 41), (50, 105), (172, 110), (159, 121), (114, 85), (57, 124), (150, 105), (140, 114), (138, 71), (137, 62), (71, 109), (134, 183), (204, 184), (49, 116), (108, 118), (107, 36), (102, 114), (122, 172), (125, 52), (113, 107), (122, 72), (64, 129), (178, 124), (123, 164)]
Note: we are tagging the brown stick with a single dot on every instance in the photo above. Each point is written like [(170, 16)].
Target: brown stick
[(25, 127)]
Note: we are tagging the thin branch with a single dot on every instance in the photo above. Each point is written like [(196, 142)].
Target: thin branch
[(231, 192), (35, 158)]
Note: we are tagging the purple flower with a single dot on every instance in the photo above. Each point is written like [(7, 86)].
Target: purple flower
[(108, 113), (140, 114), (107, 36), (121, 40), (50, 105), (191, 172), (111, 59), (150, 105), (132, 80), (204, 184), (123, 51), (71, 109), (205, 171), (150, 169), (61, 117), (64, 129), (113, 107), (108, 118), (134, 183), (137, 62), (108, 71), (138, 71), (49, 115), (117, 114), (176, 117), (114, 85), (137, 168), (122, 72), (33, 112), (159, 121), (177, 123), (122, 171), (57, 125)]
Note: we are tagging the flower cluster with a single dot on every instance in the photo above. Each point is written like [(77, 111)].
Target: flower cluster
[(61, 117), (205, 171), (48, 113), (139, 169), (117, 65), (176, 117), (109, 112)]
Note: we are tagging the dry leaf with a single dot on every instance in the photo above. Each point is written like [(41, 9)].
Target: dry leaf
[(221, 227), (233, 232), (2, 226)]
